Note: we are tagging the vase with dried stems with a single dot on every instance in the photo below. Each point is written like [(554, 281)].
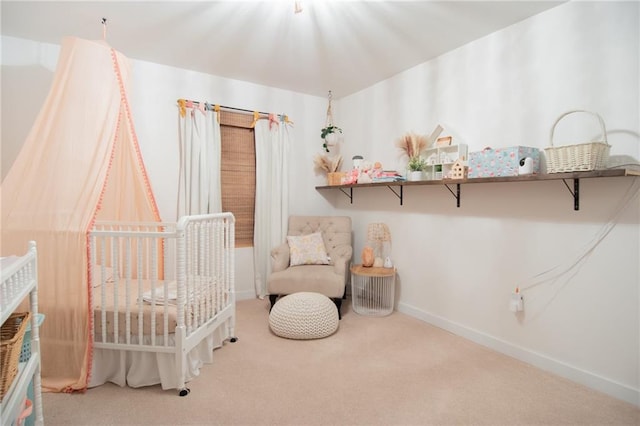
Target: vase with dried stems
[(331, 166), (412, 146)]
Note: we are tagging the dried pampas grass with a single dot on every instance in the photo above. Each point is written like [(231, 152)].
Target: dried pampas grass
[(327, 164), (412, 144)]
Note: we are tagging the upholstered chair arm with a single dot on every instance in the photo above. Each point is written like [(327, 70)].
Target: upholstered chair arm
[(341, 256), (280, 258)]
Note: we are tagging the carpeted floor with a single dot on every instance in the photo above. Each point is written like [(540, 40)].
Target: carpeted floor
[(392, 370)]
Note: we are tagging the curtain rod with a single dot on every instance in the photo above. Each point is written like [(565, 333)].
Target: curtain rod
[(186, 103), (209, 107)]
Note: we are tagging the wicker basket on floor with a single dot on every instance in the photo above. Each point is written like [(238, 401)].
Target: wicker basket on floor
[(11, 336), (579, 157)]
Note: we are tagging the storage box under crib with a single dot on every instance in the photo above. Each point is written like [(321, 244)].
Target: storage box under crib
[(500, 162)]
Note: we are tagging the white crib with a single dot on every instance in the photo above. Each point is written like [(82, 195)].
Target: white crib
[(163, 297)]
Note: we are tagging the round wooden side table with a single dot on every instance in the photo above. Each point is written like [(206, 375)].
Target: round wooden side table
[(372, 290)]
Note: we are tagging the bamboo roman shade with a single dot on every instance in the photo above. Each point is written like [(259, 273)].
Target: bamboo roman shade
[(238, 175)]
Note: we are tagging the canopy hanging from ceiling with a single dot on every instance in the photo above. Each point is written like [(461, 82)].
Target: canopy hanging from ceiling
[(79, 163)]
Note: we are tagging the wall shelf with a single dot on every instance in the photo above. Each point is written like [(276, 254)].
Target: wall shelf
[(574, 188)]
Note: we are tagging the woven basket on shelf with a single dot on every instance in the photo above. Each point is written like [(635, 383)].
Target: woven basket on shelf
[(11, 336), (578, 157)]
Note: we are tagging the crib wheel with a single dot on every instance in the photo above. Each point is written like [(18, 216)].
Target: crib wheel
[(233, 339), (184, 391)]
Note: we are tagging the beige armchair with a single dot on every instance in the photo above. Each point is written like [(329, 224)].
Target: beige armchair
[(329, 279)]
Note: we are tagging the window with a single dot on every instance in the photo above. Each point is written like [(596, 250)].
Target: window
[(238, 172)]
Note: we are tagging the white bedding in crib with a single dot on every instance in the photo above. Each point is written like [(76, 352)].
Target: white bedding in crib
[(138, 369), (157, 296)]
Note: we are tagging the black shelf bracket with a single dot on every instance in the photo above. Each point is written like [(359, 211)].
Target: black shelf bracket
[(399, 195), (575, 192), (456, 194), (349, 194)]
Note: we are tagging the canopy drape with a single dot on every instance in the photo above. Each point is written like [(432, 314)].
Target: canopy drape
[(80, 162)]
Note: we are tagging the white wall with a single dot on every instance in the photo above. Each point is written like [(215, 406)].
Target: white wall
[(456, 266)]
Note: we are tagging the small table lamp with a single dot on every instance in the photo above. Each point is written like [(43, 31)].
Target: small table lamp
[(379, 238)]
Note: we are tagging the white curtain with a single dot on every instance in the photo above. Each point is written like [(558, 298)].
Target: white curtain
[(199, 188), (272, 194)]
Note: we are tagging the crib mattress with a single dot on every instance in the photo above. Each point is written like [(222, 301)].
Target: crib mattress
[(153, 315), (152, 310)]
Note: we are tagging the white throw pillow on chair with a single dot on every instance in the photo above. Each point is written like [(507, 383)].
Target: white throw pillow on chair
[(307, 250)]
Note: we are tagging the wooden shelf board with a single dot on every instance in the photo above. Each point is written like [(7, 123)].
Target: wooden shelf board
[(524, 178)]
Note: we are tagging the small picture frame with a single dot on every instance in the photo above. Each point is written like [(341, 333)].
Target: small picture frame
[(444, 141)]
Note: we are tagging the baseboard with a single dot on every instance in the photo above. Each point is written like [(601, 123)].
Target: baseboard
[(245, 295), (593, 381)]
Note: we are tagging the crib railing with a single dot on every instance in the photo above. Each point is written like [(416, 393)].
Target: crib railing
[(207, 243), (154, 283)]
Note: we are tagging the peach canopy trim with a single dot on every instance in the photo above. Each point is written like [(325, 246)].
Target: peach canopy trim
[(79, 163)]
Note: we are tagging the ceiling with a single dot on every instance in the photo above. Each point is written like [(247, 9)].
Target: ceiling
[(342, 46)]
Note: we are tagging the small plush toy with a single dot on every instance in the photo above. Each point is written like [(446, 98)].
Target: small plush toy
[(351, 177), (364, 177)]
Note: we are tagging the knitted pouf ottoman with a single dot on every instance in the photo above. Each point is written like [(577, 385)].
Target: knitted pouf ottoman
[(304, 315)]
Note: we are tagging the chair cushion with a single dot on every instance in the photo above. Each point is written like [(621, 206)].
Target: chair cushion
[(307, 250), (304, 315), (313, 278)]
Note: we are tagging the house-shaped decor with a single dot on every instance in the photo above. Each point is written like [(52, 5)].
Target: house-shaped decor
[(459, 170)]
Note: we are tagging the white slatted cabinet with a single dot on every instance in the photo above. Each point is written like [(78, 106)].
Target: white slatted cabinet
[(19, 282)]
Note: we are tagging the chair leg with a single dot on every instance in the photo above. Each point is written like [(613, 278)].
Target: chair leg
[(338, 302), (272, 299)]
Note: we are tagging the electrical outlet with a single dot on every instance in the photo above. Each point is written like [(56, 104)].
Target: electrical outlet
[(516, 303)]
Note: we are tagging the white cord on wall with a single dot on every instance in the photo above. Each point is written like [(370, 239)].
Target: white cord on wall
[(553, 274)]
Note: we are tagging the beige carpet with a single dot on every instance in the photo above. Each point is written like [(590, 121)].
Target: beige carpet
[(393, 370)]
